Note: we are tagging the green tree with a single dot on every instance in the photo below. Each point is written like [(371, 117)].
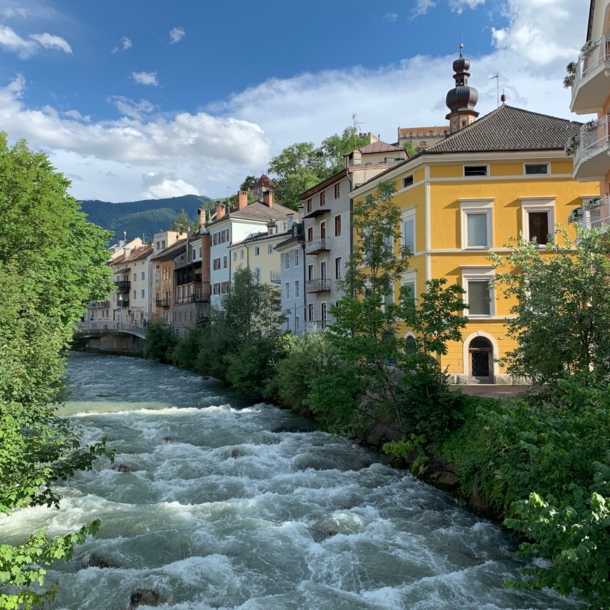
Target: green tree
[(182, 222), (562, 309), (248, 183), (408, 146), (334, 147), (51, 266), (160, 341)]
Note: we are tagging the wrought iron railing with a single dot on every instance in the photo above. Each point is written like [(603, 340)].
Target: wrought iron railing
[(592, 137), (588, 61)]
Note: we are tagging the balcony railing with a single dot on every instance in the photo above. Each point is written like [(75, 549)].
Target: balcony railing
[(590, 162), (597, 217), (99, 304), (122, 302), (162, 302), (589, 90), (316, 209), (123, 285), (315, 326), (276, 277), (322, 285), (317, 245)]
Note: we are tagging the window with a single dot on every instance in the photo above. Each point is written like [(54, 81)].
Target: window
[(241, 254), (542, 168), (310, 234), (142, 275), (297, 323), (216, 264), (338, 268), (257, 250), (142, 294), (224, 287), (323, 307), (163, 244), (323, 270), (287, 290), (257, 275), (408, 234), (158, 245), (309, 205), (286, 260), (269, 248), (310, 312), (135, 295), (475, 170), (215, 239), (199, 252), (216, 288), (407, 181), (538, 218), (322, 199), (410, 345), (310, 272), (409, 289), (225, 262), (234, 256), (338, 225), (337, 190), (323, 230), (477, 223), (479, 298), (135, 277), (297, 289), (296, 258), (409, 284)]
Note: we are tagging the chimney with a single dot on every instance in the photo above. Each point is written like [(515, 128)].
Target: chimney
[(201, 218), (301, 211), (242, 200), (268, 198), (220, 210), (289, 221)]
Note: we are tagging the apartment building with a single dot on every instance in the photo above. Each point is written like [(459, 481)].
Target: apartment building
[(488, 181), (162, 291), (327, 226), (234, 226), (591, 96)]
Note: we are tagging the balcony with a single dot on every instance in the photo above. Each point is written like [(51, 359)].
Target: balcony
[(162, 303), (276, 277), (317, 246), (123, 286), (597, 217), (316, 209), (122, 300), (591, 157), (314, 286), (99, 304), (591, 87), (315, 326)]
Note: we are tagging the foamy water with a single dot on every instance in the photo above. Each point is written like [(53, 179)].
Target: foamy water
[(224, 510)]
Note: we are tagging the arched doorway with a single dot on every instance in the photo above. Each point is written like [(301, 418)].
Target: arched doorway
[(481, 355)]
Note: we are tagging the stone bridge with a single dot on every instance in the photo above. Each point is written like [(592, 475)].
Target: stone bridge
[(110, 337)]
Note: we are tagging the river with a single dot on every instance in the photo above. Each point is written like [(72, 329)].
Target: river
[(225, 508)]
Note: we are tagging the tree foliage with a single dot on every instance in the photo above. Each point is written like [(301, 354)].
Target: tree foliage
[(182, 222), (51, 266)]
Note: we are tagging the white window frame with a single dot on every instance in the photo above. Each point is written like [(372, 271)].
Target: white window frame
[(477, 206), (296, 257), (287, 290), (406, 216), (257, 274), (410, 277), (548, 169), (297, 289), (404, 181), (479, 274), (286, 260), (257, 250), (537, 204), (269, 248)]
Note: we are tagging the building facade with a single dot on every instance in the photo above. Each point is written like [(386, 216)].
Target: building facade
[(499, 176), (327, 227), (591, 96)]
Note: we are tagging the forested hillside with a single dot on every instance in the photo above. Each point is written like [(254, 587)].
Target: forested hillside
[(142, 218)]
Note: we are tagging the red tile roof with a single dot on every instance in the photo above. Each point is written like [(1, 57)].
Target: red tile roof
[(264, 182), (379, 147)]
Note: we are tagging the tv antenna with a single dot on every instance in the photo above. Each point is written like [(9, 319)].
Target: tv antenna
[(497, 77), (357, 126)]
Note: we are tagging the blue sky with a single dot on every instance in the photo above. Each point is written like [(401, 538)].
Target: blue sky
[(150, 98)]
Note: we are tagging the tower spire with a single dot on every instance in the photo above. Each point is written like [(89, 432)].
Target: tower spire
[(462, 99)]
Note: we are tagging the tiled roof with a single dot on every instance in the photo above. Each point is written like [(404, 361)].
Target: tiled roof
[(171, 252), (379, 147), (509, 129), (257, 211), (264, 182), (135, 254), (261, 237), (292, 239)]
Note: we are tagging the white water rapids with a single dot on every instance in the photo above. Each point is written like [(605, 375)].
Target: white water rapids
[(222, 510)]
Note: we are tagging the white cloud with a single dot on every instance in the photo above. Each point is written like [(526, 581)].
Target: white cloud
[(391, 16), (76, 115), (542, 33), (162, 184), (457, 6), (134, 110), (422, 7), (176, 35), (11, 41), (145, 78), (14, 12), (125, 44), (49, 41)]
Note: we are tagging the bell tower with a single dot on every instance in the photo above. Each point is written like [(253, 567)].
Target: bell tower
[(462, 99)]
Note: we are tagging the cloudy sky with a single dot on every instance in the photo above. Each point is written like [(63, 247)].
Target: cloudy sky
[(155, 98)]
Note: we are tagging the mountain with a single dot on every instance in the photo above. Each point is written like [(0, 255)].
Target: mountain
[(138, 218)]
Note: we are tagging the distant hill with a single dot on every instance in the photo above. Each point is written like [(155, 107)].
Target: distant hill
[(138, 218)]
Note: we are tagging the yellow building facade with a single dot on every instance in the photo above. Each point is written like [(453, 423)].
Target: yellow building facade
[(460, 202)]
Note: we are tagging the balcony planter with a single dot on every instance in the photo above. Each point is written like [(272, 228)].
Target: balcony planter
[(571, 144)]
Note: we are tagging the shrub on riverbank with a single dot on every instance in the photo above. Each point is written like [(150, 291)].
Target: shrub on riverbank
[(161, 340)]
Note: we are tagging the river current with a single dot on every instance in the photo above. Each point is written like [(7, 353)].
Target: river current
[(214, 503)]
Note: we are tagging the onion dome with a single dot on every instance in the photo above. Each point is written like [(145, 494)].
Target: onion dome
[(462, 97)]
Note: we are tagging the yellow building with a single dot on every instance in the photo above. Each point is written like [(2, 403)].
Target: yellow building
[(466, 197), (591, 95)]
